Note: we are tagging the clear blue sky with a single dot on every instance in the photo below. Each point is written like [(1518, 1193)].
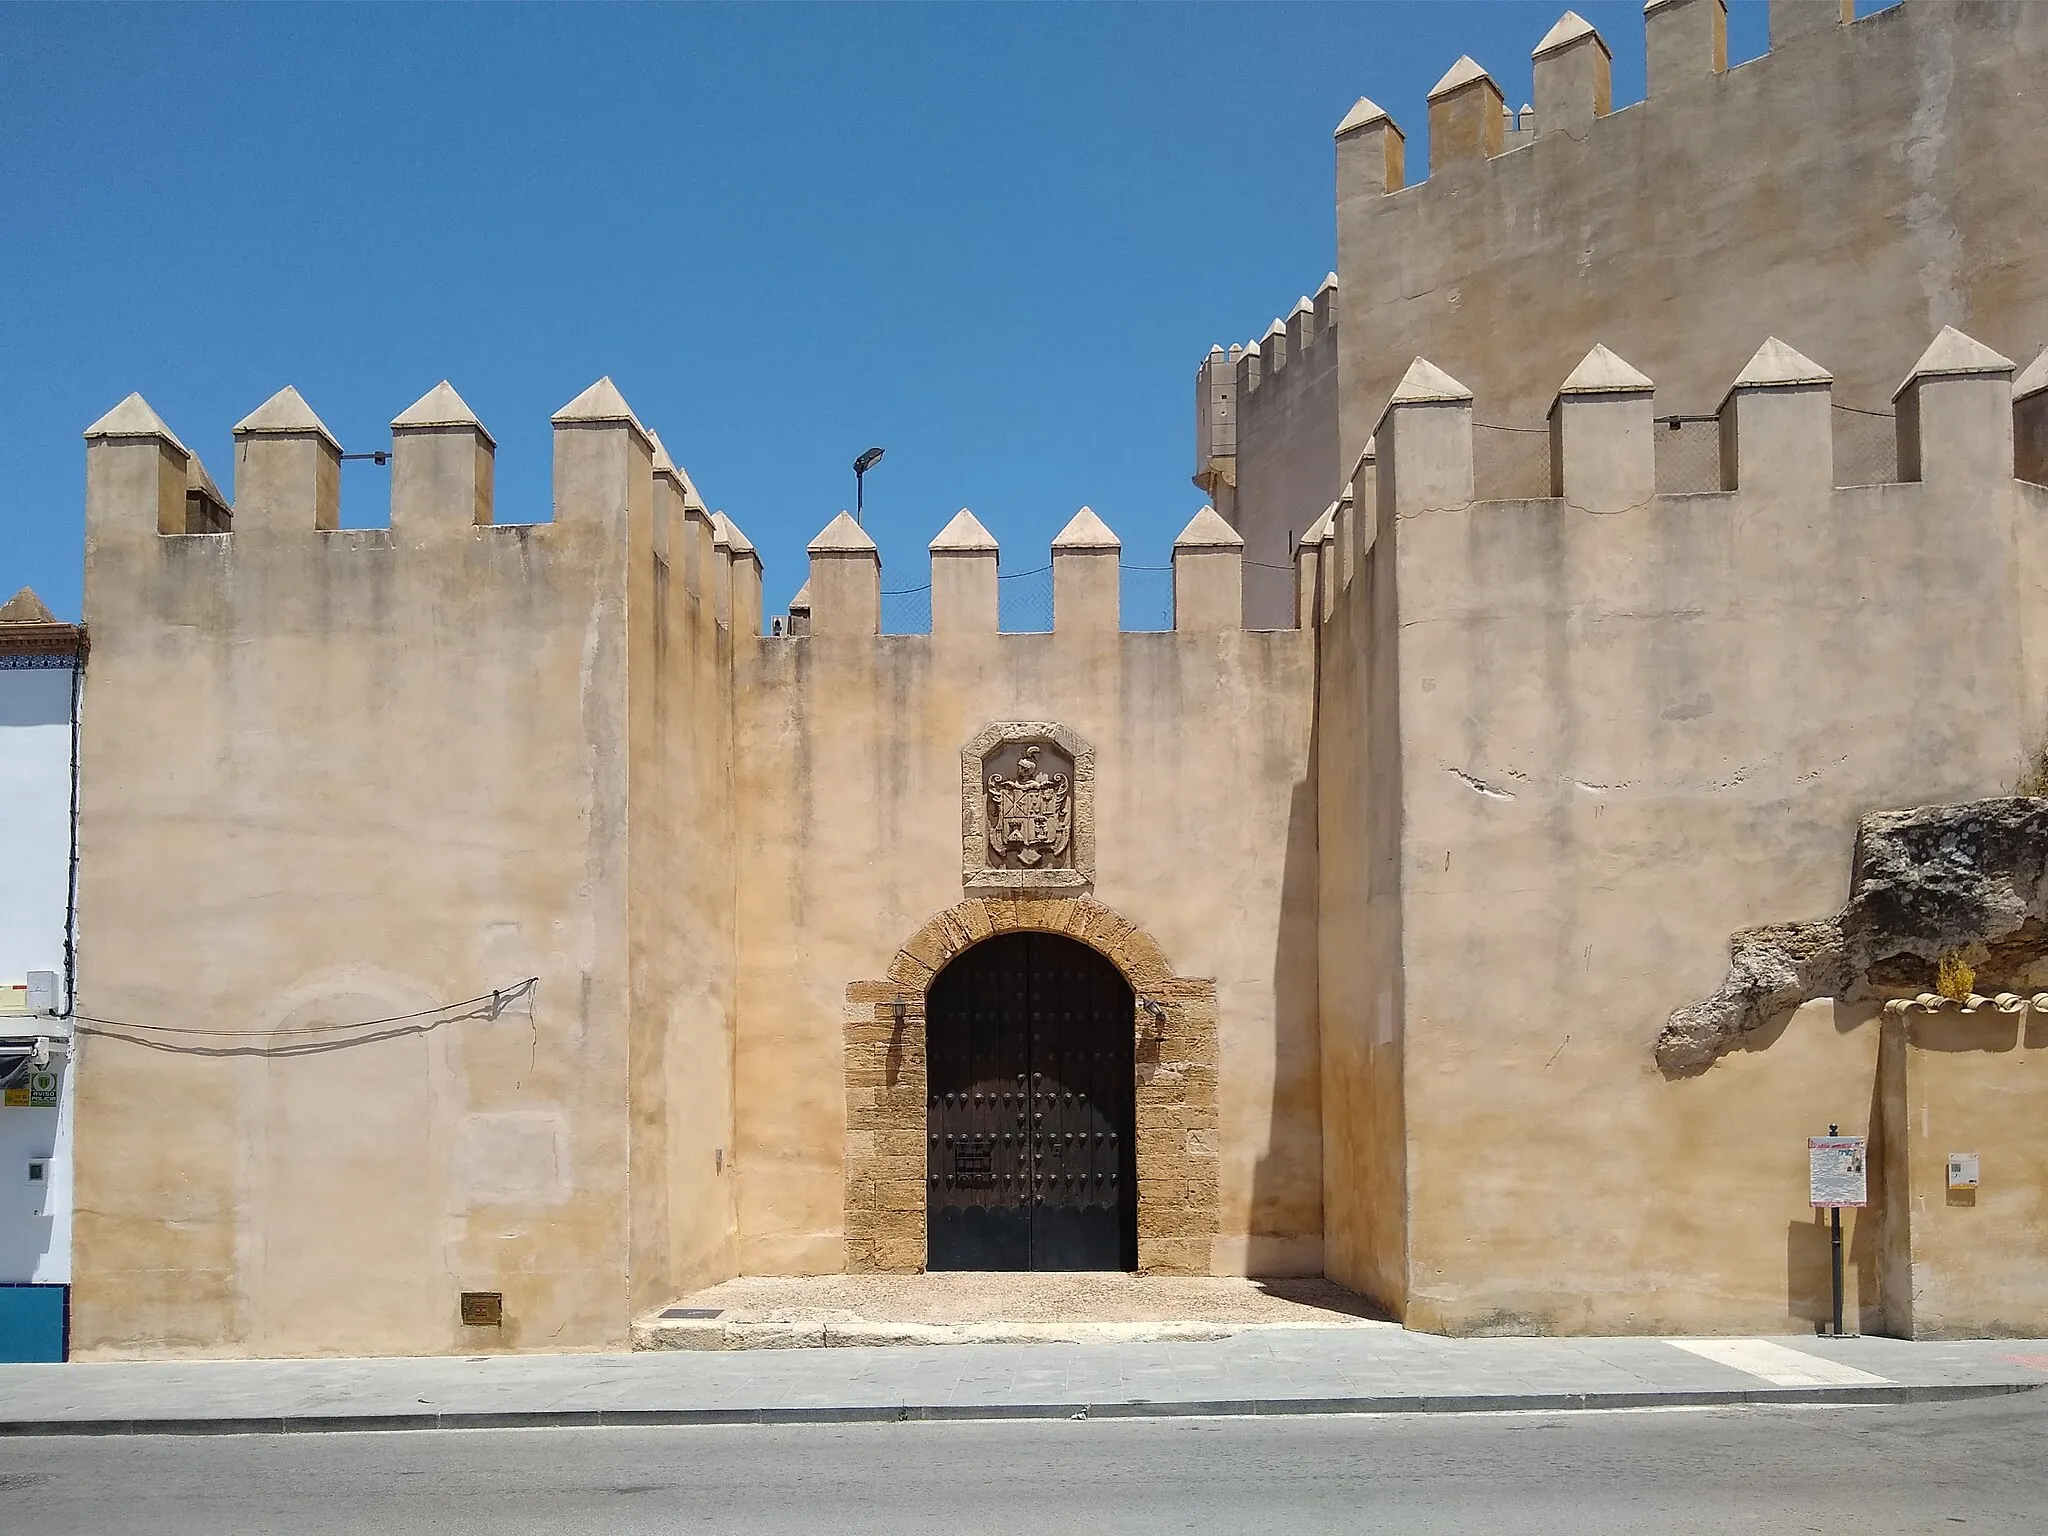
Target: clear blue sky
[(996, 239)]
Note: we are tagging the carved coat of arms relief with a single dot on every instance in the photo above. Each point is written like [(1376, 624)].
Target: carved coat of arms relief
[(1030, 819), (1027, 812)]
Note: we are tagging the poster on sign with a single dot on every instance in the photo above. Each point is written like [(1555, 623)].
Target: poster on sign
[(1835, 1172)]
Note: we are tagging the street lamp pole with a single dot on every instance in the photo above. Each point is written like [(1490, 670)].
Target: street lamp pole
[(861, 466)]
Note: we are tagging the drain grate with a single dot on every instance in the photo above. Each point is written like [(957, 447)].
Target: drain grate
[(696, 1312)]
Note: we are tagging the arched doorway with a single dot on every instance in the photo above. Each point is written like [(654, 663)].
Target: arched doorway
[(1031, 1150)]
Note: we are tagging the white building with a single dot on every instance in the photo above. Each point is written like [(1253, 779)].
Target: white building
[(40, 661)]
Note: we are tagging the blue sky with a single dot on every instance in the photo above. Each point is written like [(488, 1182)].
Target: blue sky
[(996, 239)]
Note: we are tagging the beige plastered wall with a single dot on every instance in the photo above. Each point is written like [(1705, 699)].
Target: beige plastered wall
[(1851, 192), (1622, 736), (1287, 472), (847, 768), (1965, 1263), (336, 776)]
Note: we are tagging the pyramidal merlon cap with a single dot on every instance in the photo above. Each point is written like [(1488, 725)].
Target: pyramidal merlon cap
[(1207, 530), (1601, 372), (1424, 383), (738, 542), (601, 402), (197, 479), (26, 608), (1324, 527), (440, 407), (2033, 379), (1777, 365), (663, 464), (802, 600), (134, 418), (721, 531), (963, 534), (1571, 26), (285, 414), (1085, 530), (1363, 114), (843, 536), (1460, 74), (1954, 355)]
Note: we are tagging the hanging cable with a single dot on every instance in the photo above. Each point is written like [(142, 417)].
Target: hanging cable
[(496, 1002)]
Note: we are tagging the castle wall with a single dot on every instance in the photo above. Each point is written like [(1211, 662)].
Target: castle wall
[(1358, 786), (1964, 1262), (1266, 446), (342, 776), (849, 784), (1628, 725), (1857, 186)]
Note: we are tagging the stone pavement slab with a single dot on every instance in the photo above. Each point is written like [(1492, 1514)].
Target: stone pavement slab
[(1259, 1371)]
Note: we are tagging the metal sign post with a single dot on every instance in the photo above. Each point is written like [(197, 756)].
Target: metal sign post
[(1837, 1177)]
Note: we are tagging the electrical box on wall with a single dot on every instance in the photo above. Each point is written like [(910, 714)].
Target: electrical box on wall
[(36, 1181), (44, 995)]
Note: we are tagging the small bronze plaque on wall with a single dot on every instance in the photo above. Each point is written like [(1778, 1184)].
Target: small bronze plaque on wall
[(483, 1309)]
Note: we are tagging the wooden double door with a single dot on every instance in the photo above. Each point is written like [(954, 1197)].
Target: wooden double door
[(1031, 1099)]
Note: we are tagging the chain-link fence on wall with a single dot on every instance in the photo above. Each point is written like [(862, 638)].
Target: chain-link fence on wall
[(1147, 597), (1024, 602), (1688, 455), (1510, 463), (1866, 446), (907, 611)]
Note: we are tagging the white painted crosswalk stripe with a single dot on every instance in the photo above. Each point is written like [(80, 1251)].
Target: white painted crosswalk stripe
[(1779, 1365)]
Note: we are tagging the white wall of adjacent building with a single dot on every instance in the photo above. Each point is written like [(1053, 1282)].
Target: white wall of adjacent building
[(35, 874)]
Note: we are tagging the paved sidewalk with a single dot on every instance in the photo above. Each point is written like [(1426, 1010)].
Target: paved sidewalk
[(1372, 1369)]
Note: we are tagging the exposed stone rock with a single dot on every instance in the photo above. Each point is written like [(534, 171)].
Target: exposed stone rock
[(1963, 883), (1772, 970)]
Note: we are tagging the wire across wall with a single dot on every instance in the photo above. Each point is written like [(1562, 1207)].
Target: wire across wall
[(1512, 462), (1024, 602)]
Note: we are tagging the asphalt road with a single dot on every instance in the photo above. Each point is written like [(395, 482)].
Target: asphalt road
[(1979, 1466)]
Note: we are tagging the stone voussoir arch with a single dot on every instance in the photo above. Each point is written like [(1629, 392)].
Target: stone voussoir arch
[(1174, 1022)]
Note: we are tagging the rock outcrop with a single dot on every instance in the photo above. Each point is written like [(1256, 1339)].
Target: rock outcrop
[(1941, 897)]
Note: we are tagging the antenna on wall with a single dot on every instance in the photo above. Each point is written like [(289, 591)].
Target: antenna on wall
[(861, 466)]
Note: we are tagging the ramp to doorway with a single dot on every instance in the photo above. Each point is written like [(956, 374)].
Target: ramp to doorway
[(810, 1311)]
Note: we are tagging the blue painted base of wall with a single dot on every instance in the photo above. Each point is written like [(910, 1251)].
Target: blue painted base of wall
[(35, 1322)]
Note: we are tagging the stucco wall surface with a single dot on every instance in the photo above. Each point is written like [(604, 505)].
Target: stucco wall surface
[(1287, 472), (848, 789), (1850, 192), (1965, 1263), (1623, 735), (337, 776)]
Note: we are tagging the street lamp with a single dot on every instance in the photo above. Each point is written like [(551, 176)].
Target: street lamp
[(861, 466)]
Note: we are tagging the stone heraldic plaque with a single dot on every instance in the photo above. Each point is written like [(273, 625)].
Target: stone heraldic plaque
[(1835, 1172), (1027, 810)]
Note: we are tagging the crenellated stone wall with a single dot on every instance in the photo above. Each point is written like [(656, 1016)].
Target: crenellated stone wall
[(1568, 746)]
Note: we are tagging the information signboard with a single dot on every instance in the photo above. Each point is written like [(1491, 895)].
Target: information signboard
[(1835, 1172)]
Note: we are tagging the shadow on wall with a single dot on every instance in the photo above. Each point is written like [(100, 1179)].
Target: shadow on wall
[(1286, 1225)]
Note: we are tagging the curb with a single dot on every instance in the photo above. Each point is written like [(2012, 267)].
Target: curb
[(1285, 1407)]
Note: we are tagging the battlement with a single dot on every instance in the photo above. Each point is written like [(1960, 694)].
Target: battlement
[(1685, 46), (615, 489), (1964, 431), (843, 596), (1226, 378), (1864, 172)]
